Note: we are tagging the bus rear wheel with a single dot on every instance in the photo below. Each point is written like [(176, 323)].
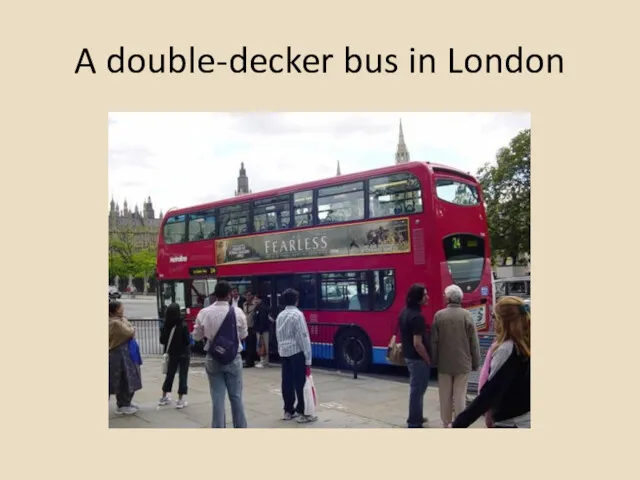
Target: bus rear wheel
[(353, 348)]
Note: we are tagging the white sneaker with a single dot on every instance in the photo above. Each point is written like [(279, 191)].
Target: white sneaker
[(307, 418), (259, 365), (135, 405), (182, 403), (166, 400), (290, 416), (126, 410)]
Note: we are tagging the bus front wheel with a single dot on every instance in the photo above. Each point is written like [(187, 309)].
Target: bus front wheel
[(353, 348)]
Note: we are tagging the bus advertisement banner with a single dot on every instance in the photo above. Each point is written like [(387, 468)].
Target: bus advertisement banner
[(366, 238)]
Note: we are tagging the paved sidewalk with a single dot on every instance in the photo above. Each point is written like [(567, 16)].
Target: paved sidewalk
[(344, 402)]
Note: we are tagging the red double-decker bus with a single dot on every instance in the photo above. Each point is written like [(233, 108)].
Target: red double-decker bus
[(351, 245)]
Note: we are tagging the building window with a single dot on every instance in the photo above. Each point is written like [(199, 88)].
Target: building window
[(306, 287), (174, 230), (342, 203), (202, 226), (234, 220), (303, 208), (271, 214), (384, 282), (344, 291), (454, 191), (397, 194)]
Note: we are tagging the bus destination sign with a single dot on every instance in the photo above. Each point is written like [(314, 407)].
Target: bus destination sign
[(200, 271), (367, 238)]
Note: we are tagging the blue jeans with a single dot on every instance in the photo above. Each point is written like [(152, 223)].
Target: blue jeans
[(222, 379), (419, 373)]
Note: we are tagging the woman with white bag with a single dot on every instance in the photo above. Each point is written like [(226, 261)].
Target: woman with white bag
[(177, 357)]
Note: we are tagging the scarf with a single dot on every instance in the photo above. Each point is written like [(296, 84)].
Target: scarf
[(120, 332)]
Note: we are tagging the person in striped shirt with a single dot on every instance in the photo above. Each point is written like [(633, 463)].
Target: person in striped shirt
[(294, 349)]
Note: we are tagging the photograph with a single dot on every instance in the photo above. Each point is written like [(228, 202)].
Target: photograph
[(319, 269)]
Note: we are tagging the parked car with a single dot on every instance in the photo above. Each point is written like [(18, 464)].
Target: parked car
[(515, 287), (114, 293)]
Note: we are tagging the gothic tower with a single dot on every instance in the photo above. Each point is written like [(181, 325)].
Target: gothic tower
[(402, 154), (147, 211), (243, 182)]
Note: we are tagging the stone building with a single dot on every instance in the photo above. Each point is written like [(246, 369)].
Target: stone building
[(136, 228)]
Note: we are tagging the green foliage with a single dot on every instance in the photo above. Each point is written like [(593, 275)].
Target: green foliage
[(507, 191), (126, 257)]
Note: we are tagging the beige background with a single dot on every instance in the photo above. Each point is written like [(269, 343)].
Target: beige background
[(55, 227)]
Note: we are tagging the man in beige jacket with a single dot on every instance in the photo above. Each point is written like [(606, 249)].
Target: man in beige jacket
[(455, 350)]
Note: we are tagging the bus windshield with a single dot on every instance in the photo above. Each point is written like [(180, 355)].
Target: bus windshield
[(465, 258)]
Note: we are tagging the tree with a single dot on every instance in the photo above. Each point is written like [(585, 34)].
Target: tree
[(507, 191), (144, 262)]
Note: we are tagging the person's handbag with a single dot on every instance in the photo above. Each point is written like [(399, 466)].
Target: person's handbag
[(165, 357), (134, 351), (394, 350), (310, 397)]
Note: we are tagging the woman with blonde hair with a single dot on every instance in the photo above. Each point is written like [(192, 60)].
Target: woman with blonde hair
[(506, 395)]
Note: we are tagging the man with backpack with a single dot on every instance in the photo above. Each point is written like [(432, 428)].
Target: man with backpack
[(224, 326)]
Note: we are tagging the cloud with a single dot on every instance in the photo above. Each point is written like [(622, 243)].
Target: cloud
[(182, 159)]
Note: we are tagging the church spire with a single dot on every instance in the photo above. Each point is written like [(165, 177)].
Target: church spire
[(402, 154), (243, 182), (338, 171)]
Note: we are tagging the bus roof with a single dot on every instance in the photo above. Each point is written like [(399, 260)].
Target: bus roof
[(410, 166)]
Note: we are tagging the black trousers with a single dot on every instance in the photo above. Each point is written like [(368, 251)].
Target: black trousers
[(293, 378), (251, 342), (177, 363)]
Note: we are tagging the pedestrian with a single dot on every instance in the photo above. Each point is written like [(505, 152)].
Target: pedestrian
[(124, 373), (262, 320), (455, 350), (507, 391), (414, 335), (222, 378), (294, 348), (236, 299), (177, 344), (251, 351)]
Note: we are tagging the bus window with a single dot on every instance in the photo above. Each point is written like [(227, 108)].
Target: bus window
[(198, 293), (174, 230), (344, 291), (179, 294), (394, 195), (385, 289), (342, 203), (453, 191), (303, 208), (234, 220), (306, 287), (202, 226), (465, 257), (271, 214)]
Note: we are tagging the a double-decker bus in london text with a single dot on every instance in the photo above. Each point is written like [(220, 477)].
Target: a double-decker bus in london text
[(351, 245)]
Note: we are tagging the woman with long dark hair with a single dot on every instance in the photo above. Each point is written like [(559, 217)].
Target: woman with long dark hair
[(506, 395), (124, 372), (176, 340), (414, 336)]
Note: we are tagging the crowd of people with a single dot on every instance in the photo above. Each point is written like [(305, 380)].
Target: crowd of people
[(231, 323), (451, 344)]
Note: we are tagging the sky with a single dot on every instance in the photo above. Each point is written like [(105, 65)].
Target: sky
[(183, 159)]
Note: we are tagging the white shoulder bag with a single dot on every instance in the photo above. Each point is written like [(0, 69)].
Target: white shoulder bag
[(165, 357)]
